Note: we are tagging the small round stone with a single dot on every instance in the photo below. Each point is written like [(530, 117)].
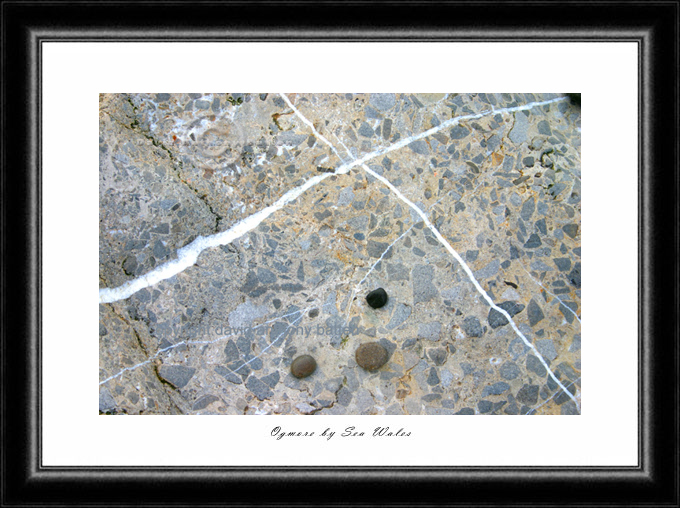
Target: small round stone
[(303, 366), (371, 356), (377, 298)]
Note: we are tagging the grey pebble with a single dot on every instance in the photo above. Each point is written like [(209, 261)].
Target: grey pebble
[(575, 344), (106, 400), (547, 349), (266, 276), (231, 351), (376, 249), (571, 230), (495, 389), (228, 375), (344, 396), (541, 226), (204, 402), (458, 132), (419, 146), (569, 408), (535, 366), (564, 309), (466, 411), (386, 129), (365, 130), (544, 128), (258, 388), (401, 314), (382, 101), (528, 394), (534, 313), (518, 134), (488, 271), (497, 319), (472, 327), (160, 251), (509, 371), (433, 378), (178, 375), (528, 209), (438, 355), (511, 409), (533, 242), (562, 264), (574, 276), (567, 371), (484, 406)]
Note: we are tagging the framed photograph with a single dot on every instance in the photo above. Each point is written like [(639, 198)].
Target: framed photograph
[(346, 236)]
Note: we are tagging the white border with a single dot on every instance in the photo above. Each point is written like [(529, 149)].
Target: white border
[(75, 73)]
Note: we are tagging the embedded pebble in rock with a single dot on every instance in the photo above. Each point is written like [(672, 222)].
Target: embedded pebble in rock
[(377, 298), (473, 327), (497, 319), (303, 366), (234, 242), (534, 312), (178, 375), (371, 356), (547, 349)]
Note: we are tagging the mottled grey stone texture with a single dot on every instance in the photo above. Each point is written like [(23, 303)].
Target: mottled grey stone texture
[(221, 334)]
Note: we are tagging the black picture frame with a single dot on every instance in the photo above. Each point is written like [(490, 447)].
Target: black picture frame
[(653, 26)]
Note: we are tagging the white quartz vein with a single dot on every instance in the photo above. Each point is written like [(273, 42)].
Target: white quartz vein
[(551, 293), (356, 287), (470, 274), (282, 334), (436, 232), (188, 255), (205, 342), (550, 398)]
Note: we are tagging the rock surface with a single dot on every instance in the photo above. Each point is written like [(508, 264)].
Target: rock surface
[(240, 240)]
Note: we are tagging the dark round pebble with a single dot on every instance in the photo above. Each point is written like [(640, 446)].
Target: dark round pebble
[(377, 298), (303, 366), (371, 356)]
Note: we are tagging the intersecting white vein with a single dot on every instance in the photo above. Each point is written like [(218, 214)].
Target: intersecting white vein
[(434, 230), (471, 276), (551, 397), (218, 339), (290, 325), (188, 255), (553, 294), (356, 287)]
